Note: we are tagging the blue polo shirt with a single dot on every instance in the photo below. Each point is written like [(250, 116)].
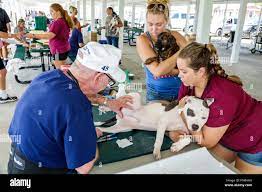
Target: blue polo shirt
[(54, 121)]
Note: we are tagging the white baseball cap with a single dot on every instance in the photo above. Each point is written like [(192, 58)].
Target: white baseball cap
[(102, 58)]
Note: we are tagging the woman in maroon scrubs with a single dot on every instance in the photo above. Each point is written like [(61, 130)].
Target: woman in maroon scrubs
[(234, 127)]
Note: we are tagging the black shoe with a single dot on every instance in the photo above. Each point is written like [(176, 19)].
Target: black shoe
[(8, 99)]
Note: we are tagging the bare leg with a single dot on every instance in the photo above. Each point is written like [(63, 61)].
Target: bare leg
[(3, 79), (246, 168), (5, 52), (224, 153)]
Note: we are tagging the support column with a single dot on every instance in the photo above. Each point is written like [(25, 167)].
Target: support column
[(239, 30), (196, 16), (259, 20), (84, 12), (121, 7), (92, 11), (224, 20), (204, 21), (78, 8), (103, 20), (133, 14), (187, 17), (145, 27)]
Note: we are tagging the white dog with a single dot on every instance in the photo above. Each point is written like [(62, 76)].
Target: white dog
[(153, 117)]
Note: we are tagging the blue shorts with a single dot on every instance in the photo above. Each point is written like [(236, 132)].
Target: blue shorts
[(152, 95), (251, 158)]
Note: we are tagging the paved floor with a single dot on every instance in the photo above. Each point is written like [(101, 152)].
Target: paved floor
[(249, 69)]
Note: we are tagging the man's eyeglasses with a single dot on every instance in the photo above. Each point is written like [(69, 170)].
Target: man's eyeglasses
[(111, 80), (159, 6)]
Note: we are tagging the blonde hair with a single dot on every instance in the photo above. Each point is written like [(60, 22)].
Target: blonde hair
[(72, 9), (157, 1), (205, 55), (64, 13), (156, 10)]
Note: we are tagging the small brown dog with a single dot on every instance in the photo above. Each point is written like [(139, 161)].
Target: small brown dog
[(165, 47)]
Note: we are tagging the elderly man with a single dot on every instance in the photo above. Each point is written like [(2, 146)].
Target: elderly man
[(52, 130)]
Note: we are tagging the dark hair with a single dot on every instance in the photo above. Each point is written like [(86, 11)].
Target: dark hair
[(205, 55), (66, 17), (114, 13), (21, 21)]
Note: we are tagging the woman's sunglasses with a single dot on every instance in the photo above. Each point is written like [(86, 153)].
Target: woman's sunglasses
[(159, 6)]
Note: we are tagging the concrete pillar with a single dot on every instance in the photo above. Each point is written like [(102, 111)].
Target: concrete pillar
[(84, 12), (121, 7), (78, 9), (103, 20), (224, 20), (239, 30), (145, 27), (259, 20), (92, 11), (187, 17), (133, 14), (204, 21), (196, 15)]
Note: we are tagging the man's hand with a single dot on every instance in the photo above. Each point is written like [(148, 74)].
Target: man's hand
[(122, 102)]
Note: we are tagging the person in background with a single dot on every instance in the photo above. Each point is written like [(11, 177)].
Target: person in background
[(4, 27), (112, 26), (76, 41), (58, 34), (162, 81), (4, 97), (73, 11), (20, 28)]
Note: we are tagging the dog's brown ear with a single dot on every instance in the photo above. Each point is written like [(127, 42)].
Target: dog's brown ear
[(171, 105), (151, 60)]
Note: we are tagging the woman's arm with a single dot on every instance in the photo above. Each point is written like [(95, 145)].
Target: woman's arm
[(209, 136), (8, 35), (145, 51), (46, 35)]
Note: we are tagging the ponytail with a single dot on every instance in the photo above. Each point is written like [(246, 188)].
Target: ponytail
[(206, 56), (68, 19), (217, 68)]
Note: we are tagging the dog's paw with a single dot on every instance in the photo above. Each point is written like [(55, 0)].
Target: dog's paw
[(157, 154), (176, 147)]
